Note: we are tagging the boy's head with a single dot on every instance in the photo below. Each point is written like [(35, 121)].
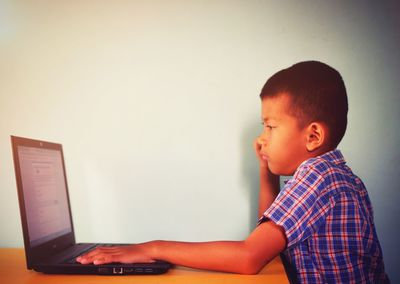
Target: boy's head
[(316, 93)]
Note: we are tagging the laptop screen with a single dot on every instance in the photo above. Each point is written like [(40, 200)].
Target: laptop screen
[(45, 193)]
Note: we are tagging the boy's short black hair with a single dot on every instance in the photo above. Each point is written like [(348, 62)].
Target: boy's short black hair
[(317, 93)]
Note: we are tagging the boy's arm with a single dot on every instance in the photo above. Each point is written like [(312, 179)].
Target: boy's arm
[(245, 257), (269, 189), (269, 183)]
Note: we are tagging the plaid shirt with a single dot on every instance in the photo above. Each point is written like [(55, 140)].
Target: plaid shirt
[(328, 220)]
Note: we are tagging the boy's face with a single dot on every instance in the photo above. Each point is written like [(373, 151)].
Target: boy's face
[(283, 142)]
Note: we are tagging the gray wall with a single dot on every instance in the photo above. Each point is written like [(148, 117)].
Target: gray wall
[(157, 105)]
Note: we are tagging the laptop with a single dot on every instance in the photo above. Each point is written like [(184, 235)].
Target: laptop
[(45, 209)]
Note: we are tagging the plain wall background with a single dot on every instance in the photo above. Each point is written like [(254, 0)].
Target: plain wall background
[(156, 104)]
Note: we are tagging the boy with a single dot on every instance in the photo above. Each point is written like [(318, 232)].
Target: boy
[(322, 219)]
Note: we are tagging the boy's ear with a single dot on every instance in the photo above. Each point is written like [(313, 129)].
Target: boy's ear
[(316, 136)]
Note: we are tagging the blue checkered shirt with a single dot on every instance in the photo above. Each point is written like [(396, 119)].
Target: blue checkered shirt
[(327, 216)]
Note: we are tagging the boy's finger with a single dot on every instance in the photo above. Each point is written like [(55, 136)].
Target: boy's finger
[(86, 258), (103, 259), (95, 251), (99, 258)]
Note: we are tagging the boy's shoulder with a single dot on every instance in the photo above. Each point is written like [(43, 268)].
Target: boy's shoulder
[(327, 174)]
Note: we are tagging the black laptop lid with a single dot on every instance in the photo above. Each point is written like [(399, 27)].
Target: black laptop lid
[(43, 198)]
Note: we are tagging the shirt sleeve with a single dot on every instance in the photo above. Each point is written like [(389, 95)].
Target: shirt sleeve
[(300, 207)]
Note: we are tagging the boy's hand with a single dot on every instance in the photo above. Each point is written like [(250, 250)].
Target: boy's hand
[(269, 182), (257, 145), (121, 254)]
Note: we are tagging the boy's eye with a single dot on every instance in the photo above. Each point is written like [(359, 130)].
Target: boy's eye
[(268, 126)]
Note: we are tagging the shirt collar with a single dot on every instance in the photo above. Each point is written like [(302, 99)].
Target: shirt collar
[(334, 156)]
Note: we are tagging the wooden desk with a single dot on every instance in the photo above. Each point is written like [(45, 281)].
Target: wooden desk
[(13, 270)]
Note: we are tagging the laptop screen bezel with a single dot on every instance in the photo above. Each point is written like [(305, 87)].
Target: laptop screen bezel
[(36, 254)]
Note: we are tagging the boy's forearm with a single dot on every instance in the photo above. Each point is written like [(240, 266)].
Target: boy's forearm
[(269, 189), (228, 256)]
